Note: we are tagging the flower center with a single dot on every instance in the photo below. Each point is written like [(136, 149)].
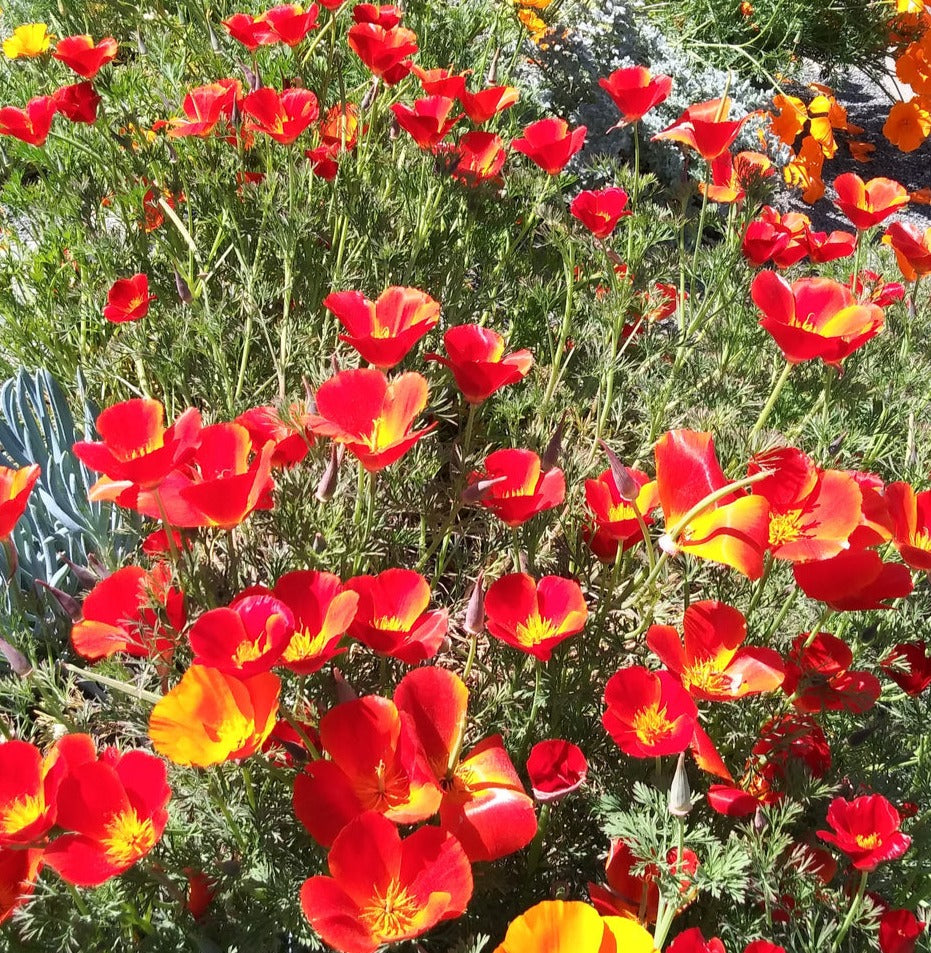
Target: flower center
[(785, 528), (620, 512), (128, 837), (921, 541), (384, 789), (390, 916), (304, 645), (390, 623), (867, 841), (21, 813), (535, 630), (232, 733), (247, 651), (707, 677), (805, 324), (651, 724)]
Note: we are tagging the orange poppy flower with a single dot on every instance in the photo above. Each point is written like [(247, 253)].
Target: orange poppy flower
[(710, 661), (867, 203), (484, 804), (27, 40), (515, 488), (281, 116), (440, 82), (288, 23), (487, 103), (204, 107), (383, 889), (384, 50), (734, 530), (341, 126), (600, 211), (371, 415), (912, 247), (266, 424), (19, 870), (85, 57), (479, 157), (705, 128), (28, 788), (614, 522), (550, 144), (383, 331), (781, 239), (805, 171), (128, 299), (210, 717), (911, 515), (428, 120), (375, 762), (908, 124), (635, 91), (15, 488), (854, 580)]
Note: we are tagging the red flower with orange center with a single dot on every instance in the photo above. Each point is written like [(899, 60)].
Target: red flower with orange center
[(484, 803), (30, 124), (648, 713), (515, 488), (487, 103), (371, 415), (384, 50), (601, 210), (28, 788), (204, 107), (705, 128), (635, 91), (341, 127), (15, 487), (614, 519), (210, 717), (128, 299), (909, 666), (912, 247), (19, 869), (383, 889), (710, 662), (818, 676), (289, 24), (392, 616), (375, 763), (480, 157), (288, 435), (281, 116), (427, 120), (866, 830), (85, 57), (534, 617), (384, 330), (550, 144), (814, 317), (867, 203)]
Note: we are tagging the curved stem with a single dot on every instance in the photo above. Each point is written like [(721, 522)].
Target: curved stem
[(855, 905)]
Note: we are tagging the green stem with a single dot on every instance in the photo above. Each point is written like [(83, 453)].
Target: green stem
[(558, 354), (470, 659), (771, 402), (761, 584), (852, 912), (138, 693), (534, 708)]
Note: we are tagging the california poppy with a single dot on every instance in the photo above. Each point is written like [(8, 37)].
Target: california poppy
[(854, 580), (290, 438), (614, 521), (281, 116), (600, 211), (908, 124), (556, 768), (867, 203), (635, 91), (30, 124), (128, 299), (428, 120), (912, 247), (15, 487), (28, 791), (204, 107), (487, 103), (514, 486), (384, 50), (866, 830), (19, 869), (85, 57), (693, 941), (911, 516), (818, 676), (288, 23), (383, 889), (550, 144), (440, 82), (899, 931), (27, 40), (341, 127), (782, 239), (705, 128), (77, 102), (909, 666), (480, 157)]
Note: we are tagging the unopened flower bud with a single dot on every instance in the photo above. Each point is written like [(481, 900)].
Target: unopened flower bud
[(491, 77), (759, 820), (17, 661), (71, 605), (86, 577), (472, 494), (184, 292), (344, 691), (140, 44), (253, 77), (327, 485), (553, 449), (214, 42), (369, 96), (680, 794), (627, 486), (474, 622)]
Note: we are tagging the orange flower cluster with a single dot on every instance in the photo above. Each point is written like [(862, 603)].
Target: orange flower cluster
[(909, 122)]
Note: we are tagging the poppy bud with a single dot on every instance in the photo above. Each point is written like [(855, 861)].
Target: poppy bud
[(369, 96), (680, 794), (550, 456), (71, 605), (491, 77), (253, 78), (17, 661), (184, 292), (626, 485), (214, 42), (140, 44), (474, 622), (759, 820), (475, 492), (344, 691), (319, 543), (327, 485), (87, 577)]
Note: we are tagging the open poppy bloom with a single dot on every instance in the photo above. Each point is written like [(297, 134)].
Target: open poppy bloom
[(15, 488), (781, 239), (555, 768), (487, 103), (818, 676), (867, 203), (289, 23), (281, 116), (534, 617), (909, 666), (614, 522), (204, 107), (428, 120), (866, 830), (30, 124), (288, 435), (705, 128), (514, 486), (247, 30), (899, 931), (341, 127), (635, 91), (484, 804), (710, 662), (128, 299), (383, 889), (136, 447), (210, 717), (375, 763), (392, 616), (824, 247), (27, 40), (440, 82), (908, 124), (77, 102), (600, 211), (114, 809), (814, 317), (854, 580), (383, 331), (371, 415), (912, 247), (85, 57), (384, 50), (648, 714), (19, 870), (476, 357), (549, 143), (244, 639), (734, 530), (119, 615), (570, 926), (911, 518), (480, 157), (28, 789)]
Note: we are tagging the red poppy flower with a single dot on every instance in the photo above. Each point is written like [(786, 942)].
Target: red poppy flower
[(555, 768), (911, 517), (128, 299), (782, 239), (484, 804), (534, 617), (733, 531), (480, 158), (814, 317), (487, 103), (281, 116), (19, 870), (428, 120), (515, 488), (15, 487), (854, 580), (866, 830), (118, 615), (392, 616), (636, 91), (384, 50), (204, 107), (383, 331), (818, 677), (323, 161), (289, 23), (824, 247), (868, 286), (210, 717), (28, 788), (384, 889), (912, 247), (600, 211), (786, 743), (375, 763), (710, 663), (266, 424), (705, 128), (387, 14), (440, 82), (478, 363), (763, 946), (247, 30), (648, 713), (909, 666), (32, 123), (323, 609), (549, 144), (77, 102), (85, 57), (693, 941), (371, 415), (867, 204), (614, 520), (899, 931), (114, 808), (136, 447)]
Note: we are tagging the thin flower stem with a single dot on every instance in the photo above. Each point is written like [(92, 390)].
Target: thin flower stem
[(770, 403), (783, 612), (634, 190), (534, 708), (558, 354), (536, 845), (166, 525), (852, 913), (131, 690), (470, 658), (761, 583), (645, 533), (301, 733)]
